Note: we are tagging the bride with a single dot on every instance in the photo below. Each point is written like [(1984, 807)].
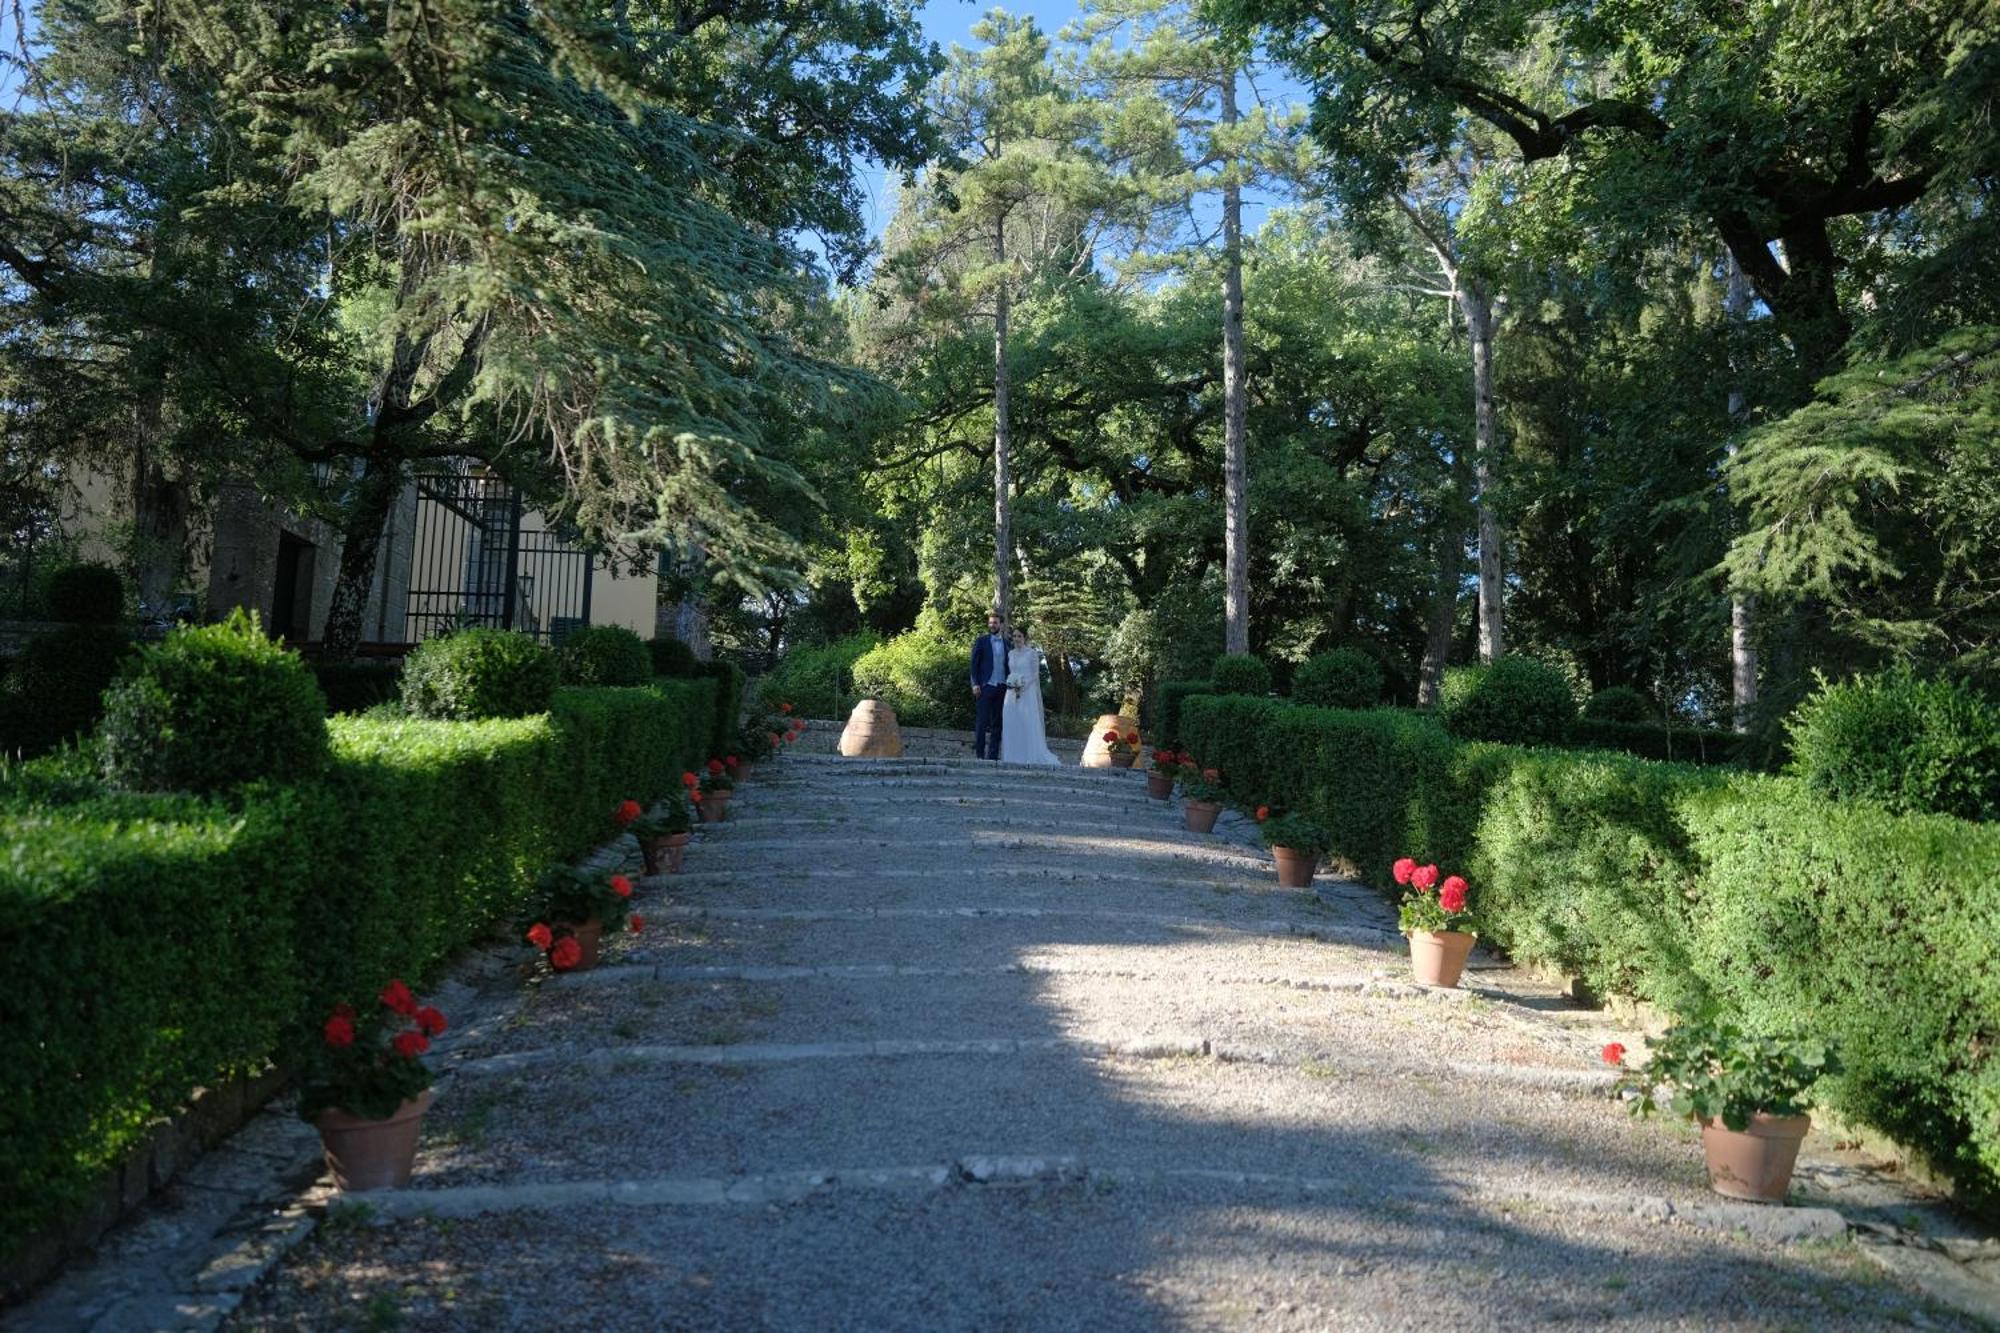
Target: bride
[(1023, 734)]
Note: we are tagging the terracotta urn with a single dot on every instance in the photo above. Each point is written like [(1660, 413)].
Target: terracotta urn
[(1295, 866), (871, 732), (1201, 815), (1754, 1162), (663, 854), (373, 1154), (1437, 957)]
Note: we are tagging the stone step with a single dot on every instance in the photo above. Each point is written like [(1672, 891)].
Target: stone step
[(1152, 1101)]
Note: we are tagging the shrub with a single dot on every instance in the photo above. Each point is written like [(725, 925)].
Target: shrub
[(56, 690), (416, 839), (475, 674), (1516, 700), (1619, 703), (926, 679), (1342, 678), (356, 687), (1683, 886), (211, 707), (604, 655), (1173, 695), (815, 678), (1917, 746), (86, 595), (672, 658), (1240, 673)]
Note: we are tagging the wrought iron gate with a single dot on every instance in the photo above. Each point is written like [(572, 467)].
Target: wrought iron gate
[(478, 557)]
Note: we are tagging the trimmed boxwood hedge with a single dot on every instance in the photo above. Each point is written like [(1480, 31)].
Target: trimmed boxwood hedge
[(1173, 694), (1682, 886), (156, 942), (730, 683)]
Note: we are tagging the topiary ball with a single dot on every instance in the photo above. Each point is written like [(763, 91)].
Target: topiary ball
[(56, 690), (1516, 700), (672, 658), (86, 595), (212, 707), (1917, 746), (1619, 703), (479, 673), (604, 655), (1240, 673), (1341, 678)]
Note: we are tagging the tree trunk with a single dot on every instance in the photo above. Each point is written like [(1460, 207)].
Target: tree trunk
[(1444, 610), (1477, 303), (360, 544), (1742, 606), (1235, 467), (1003, 524)]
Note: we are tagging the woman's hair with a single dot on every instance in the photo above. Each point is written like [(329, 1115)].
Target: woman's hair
[(1017, 632)]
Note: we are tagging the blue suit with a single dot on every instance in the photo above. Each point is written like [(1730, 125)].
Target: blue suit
[(986, 722)]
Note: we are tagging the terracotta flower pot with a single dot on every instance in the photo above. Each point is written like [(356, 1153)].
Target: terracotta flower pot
[(1295, 867), (1201, 815), (1437, 957), (714, 807), (663, 855), (1756, 1161), (1159, 786), (373, 1154), (589, 935), (1123, 759)]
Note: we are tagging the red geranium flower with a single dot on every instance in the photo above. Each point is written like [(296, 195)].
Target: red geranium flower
[(1403, 869), (1211, 775), (1132, 738), (774, 740), (1263, 813), (430, 1021), (786, 707), (567, 954), (1614, 1053), (791, 736), (339, 1031), (715, 768), (694, 794), (1424, 876), (410, 1044), (621, 886), (635, 923), (1451, 895), (689, 779), (540, 936), (396, 997), (732, 761), (627, 811), (1110, 738)]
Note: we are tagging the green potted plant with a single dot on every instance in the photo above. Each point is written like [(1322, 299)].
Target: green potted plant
[(576, 908), (1165, 771), (1201, 792), (1297, 844), (1749, 1092), (712, 792), (363, 1084), (1439, 924), (663, 835)]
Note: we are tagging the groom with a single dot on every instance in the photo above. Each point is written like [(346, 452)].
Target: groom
[(989, 686)]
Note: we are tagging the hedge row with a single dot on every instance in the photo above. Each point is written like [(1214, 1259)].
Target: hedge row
[(158, 942), (1682, 886)]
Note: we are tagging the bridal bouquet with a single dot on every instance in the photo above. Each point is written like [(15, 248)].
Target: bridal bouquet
[(1017, 682)]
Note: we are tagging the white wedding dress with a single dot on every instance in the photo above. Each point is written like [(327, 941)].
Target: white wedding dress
[(1024, 737)]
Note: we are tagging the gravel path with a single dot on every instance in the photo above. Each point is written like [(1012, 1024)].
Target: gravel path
[(926, 1045)]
